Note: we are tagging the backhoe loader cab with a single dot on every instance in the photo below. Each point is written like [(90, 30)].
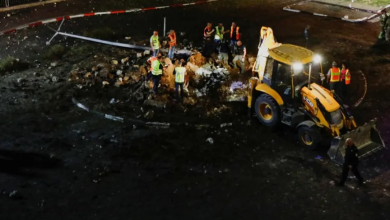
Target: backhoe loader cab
[(286, 91)]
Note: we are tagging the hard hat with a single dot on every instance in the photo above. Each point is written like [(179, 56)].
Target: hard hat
[(334, 63)]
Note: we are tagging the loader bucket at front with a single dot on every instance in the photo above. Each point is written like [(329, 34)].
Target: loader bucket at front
[(366, 138)]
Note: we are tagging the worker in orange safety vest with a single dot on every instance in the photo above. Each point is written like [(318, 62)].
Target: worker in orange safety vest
[(208, 40), (235, 36), (345, 80), (333, 76), (172, 43)]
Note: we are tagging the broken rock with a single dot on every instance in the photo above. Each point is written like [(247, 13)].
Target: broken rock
[(154, 103), (149, 114)]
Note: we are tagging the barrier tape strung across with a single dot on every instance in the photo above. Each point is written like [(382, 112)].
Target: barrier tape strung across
[(52, 20), (375, 13)]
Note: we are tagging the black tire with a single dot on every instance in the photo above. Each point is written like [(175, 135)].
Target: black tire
[(309, 137), (267, 110)]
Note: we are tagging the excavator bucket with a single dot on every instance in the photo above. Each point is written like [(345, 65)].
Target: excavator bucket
[(366, 138)]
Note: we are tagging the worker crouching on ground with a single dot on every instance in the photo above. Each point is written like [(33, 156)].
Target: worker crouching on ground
[(207, 37), (157, 73), (180, 72), (235, 36), (334, 77), (351, 162), (155, 43), (240, 56), (345, 80), (385, 24), (172, 44)]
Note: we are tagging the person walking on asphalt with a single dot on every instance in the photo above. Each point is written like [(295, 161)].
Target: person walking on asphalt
[(240, 56), (208, 42), (334, 77), (351, 161), (385, 24), (179, 73), (157, 73), (155, 43)]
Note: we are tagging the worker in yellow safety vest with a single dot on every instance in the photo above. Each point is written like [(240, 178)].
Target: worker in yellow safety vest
[(180, 73), (333, 76), (235, 36), (345, 80), (155, 43), (157, 71), (219, 32)]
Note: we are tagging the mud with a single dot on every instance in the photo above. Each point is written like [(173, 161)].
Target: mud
[(59, 161)]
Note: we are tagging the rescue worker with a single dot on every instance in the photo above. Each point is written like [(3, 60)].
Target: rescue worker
[(223, 52), (385, 23), (155, 43), (235, 36), (180, 73), (334, 76), (240, 56), (351, 161), (157, 71), (207, 37), (150, 61), (172, 43), (345, 80), (219, 32)]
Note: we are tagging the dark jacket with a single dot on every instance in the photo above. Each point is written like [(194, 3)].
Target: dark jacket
[(351, 156)]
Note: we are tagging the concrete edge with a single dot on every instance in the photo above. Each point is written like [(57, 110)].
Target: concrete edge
[(29, 5)]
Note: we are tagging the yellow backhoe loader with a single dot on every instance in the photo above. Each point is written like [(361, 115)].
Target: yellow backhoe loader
[(284, 90)]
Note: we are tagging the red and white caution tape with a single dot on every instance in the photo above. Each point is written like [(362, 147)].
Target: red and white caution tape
[(374, 15), (52, 20)]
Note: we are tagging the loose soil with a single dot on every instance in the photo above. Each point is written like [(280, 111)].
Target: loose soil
[(58, 161)]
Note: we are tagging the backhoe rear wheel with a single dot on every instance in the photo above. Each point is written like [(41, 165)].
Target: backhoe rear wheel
[(267, 110), (309, 136)]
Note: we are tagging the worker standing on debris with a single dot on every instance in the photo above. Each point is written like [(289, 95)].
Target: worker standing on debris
[(334, 76), (172, 43), (155, 43), (235, 36), (240, 56), (157, 73), (150, 61), (180, 73), (223, 52), (219, 32), (345, 80), (385, 32), (207, 37), (351, 161)]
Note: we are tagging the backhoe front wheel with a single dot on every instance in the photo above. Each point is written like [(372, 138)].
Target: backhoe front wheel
[(309, 136), (267, 110)]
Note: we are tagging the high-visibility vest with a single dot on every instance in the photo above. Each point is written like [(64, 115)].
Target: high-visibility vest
[(155, 42), (156, 68), (219, 33), (180, 73), (347, 77), (151, 61), (172, 38), (237, 33), (335, 74)]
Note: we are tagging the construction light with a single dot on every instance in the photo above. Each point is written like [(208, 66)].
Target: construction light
[(297, 67), (317, 58)]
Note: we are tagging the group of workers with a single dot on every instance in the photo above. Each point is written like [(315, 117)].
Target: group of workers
[(339, 79), (214, 41)]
